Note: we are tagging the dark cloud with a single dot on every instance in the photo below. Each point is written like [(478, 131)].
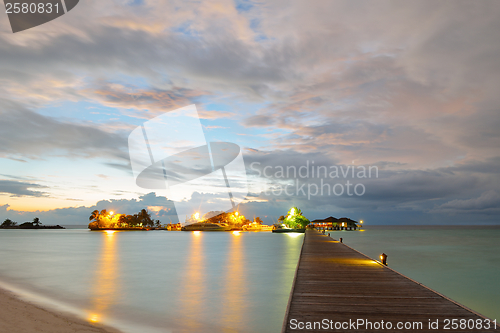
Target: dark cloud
[(487, 203), (389, 189), (27, 133), (21, 189)]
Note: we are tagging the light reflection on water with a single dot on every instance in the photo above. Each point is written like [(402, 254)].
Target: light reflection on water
[(107, 281), (234, 293), (194, 285), (158, 281)]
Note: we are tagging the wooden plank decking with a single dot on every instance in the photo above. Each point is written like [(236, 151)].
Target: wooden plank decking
[(339, 284)]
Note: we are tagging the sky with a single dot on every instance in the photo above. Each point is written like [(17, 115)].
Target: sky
[(408, 90)]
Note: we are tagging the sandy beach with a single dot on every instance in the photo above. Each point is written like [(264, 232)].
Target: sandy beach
[(18, 316)]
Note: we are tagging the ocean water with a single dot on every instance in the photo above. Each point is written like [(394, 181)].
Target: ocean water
[(160, 281), (156, 281)]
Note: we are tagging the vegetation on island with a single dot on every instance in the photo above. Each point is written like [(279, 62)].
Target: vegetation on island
[(8, 223), (229, 220), (36, 224), (232, 219), (109, 220), (294, 219)]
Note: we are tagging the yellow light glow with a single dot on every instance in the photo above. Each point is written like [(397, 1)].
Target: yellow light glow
[(381, 258), (110, 231), (361, 221), (111, 213), (94, 318), (294, 234), (196, 233), (236, 232), (197, 215), (292, 212), (236, 213)]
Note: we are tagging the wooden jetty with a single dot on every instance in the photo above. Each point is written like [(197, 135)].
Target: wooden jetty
[(337, 289)]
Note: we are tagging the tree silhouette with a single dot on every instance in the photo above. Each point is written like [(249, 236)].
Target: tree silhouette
[(145, 218), (94, 216), (8, 223), (36, 221)]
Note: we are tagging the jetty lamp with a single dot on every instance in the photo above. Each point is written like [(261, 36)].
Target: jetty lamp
[(383, 258)]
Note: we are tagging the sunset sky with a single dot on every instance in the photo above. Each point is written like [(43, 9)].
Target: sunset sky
[(409, 87)]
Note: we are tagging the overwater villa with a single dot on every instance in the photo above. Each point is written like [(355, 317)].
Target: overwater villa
[(332, 223)]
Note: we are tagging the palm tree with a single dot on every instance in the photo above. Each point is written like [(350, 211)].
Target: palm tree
[(145, 217), (36, 221), (94, 216)]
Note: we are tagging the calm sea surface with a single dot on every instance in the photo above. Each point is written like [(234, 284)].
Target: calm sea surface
[(160, 281), (157, 281)]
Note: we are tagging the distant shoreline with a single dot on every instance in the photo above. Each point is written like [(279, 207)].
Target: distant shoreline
[(39, 227)]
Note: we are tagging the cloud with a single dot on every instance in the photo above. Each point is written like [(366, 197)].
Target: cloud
[(80, 215), (147, 101), (21, 189), (388, 189), (487, 203), (259, 120), (32, 135)]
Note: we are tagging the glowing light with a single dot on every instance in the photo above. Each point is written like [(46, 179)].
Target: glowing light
[(236, 213), (94, 318), (111, 213), (381, 258), (361, 221), (110, 232), (196, 233), (292, 212), (294, 234), (197, 215), (236, 232)]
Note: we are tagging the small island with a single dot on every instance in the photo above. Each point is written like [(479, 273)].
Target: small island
[(223, 221), (104, 220), (294, 221), (36, 224)]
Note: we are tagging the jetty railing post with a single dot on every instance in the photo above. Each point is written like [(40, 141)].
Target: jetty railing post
[(383, 257)]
